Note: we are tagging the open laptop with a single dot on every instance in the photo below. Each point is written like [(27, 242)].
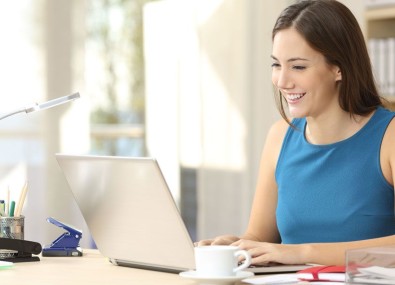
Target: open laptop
[(131, 213)]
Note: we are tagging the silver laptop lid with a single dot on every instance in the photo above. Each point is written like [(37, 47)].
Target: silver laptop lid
[(129, 211)]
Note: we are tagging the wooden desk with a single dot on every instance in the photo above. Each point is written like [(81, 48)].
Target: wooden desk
[(92, 268)]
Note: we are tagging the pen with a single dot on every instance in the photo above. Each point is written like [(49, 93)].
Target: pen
[(7, 201), (21, 200), (12, 208)]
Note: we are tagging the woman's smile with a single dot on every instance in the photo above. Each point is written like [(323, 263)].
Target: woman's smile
[(294, 97)]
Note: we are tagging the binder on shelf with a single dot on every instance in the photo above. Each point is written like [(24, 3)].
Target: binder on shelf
[(378, 3), (382, 56)]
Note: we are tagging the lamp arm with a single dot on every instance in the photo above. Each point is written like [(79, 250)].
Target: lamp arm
[(13, 113)]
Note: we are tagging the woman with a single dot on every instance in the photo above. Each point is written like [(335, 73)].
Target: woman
[(326, 178)]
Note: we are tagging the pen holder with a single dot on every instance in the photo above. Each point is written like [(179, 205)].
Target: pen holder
[(11, 227)]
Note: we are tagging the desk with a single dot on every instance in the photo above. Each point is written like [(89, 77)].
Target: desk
[(91, 268)]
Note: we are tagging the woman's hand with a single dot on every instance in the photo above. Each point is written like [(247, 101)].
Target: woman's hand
[(220, 240), (263, 253)]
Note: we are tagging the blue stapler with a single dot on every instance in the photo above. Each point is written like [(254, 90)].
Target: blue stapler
[(68, 244)]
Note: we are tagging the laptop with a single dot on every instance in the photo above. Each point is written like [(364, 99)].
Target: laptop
[(131, 213)]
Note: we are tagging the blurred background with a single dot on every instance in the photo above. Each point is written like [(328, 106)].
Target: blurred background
[(185, 81)]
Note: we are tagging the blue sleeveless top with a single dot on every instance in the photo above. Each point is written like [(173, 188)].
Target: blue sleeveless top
[(334, 192)]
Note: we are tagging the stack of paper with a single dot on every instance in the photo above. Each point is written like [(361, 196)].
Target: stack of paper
[(375, 275)]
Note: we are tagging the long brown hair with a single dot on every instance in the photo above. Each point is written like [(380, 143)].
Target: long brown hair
[(331, 29)]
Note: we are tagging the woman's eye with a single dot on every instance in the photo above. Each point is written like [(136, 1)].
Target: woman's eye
[(275, 65), (299, 67)]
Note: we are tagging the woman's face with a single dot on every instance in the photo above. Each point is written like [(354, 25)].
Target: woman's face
[(305, 79)]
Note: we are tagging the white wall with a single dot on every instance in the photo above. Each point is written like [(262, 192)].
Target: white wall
[(209, 100)]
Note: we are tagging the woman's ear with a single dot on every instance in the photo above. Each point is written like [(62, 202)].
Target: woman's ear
[(338, 75)]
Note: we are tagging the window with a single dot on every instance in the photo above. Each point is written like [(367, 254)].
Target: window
[(115, 76)]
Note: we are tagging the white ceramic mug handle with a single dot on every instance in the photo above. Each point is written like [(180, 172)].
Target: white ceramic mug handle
[(246, 262)]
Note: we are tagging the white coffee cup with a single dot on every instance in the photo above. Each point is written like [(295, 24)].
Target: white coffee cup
[(220, 260)]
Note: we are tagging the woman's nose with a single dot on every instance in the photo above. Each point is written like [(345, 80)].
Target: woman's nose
[(282, 79)]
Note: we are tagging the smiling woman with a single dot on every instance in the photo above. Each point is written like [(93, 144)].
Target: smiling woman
[(326, 179)]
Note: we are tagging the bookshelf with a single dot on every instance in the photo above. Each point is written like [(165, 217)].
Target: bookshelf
[(380, 31)]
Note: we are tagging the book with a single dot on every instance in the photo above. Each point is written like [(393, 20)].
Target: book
[(322, 273)]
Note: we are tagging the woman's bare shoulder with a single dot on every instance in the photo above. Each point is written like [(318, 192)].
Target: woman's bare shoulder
[(278, 130), (274, 140)]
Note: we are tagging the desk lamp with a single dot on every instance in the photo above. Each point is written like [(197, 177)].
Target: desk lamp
[(26, 248), (45, 105)]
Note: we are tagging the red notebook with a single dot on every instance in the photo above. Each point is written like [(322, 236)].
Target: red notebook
[(322, 273)]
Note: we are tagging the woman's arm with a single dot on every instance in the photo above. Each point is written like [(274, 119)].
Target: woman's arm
[(317, 253), (262, 224)]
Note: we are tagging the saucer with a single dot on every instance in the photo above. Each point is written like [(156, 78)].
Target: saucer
[(240, 275)]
